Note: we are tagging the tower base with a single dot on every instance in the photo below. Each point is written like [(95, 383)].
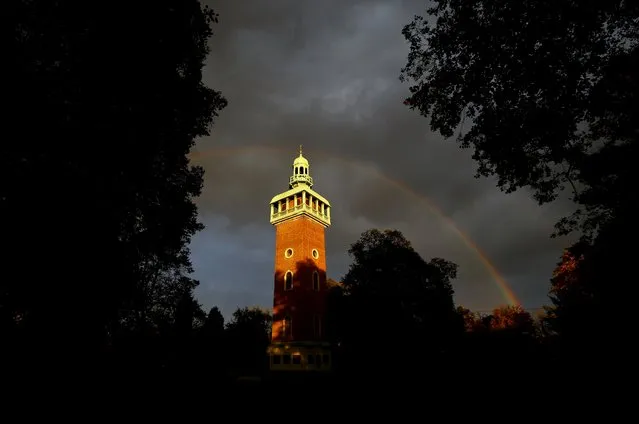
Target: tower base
[(300, 356)]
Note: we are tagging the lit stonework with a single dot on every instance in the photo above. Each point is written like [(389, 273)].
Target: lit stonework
[(300, 199), (300, 216)]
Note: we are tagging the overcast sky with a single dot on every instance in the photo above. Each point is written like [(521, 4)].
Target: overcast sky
[(325, 74)]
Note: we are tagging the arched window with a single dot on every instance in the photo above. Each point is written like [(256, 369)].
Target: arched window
[(296, 170), (288, 281), (316, 284), (287, 326)]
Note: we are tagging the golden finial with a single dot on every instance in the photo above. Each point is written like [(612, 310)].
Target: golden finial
[(300, 150)]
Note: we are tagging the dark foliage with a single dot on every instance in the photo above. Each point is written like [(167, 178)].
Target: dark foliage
[(591, 313), (390, 293), (546, 92), (248, 336), (96, 200), (104, 104), (536, 87)]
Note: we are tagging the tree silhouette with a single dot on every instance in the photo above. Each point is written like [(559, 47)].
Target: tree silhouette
[(546, 94), (211, 349), (588, 313), (565, 290), (248, 336), (496, 345), (473, 322), (97, 194), (543, 91), (188, 315), (391, 293), (214, 324), (512, 318)]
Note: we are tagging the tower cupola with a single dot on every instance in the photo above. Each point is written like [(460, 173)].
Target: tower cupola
[(301, 172)]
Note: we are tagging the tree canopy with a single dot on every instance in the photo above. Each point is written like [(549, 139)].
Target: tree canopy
[(544, 91), (391, 293), (97, 192), (249, 333)]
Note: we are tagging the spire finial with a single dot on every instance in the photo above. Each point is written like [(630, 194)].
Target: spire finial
[(300, 150)]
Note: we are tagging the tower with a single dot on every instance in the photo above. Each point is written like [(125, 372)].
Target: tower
[(300, 216)]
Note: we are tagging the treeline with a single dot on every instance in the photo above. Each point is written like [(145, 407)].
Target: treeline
[(391, 318), (195, 345), (394, 314)]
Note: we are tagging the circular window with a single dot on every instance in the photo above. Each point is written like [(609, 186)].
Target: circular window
[(288, 253), (315, 253)]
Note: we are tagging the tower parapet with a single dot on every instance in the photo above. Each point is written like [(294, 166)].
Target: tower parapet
[(300, 199)]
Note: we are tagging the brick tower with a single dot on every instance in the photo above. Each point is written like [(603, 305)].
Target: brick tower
[(300, 216)]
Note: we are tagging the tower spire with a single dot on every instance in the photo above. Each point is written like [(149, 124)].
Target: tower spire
[(301, 172)]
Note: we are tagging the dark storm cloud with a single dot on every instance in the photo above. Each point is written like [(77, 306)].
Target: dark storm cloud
[(325, 75)]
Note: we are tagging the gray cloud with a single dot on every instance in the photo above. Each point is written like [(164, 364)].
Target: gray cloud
[(325, 74)]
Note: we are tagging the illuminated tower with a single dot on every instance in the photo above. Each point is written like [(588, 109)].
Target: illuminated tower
[(300, 216)]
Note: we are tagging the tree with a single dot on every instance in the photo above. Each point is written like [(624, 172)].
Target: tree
[(156, 299), (248, 336), (512, 318), (211, 347), (549, 92), (189, 315), (576, 311), (97, 190), (503, 340), (214, 324), (254, 320), (391, 293), (591, 315), (546, 88), (472, 320)]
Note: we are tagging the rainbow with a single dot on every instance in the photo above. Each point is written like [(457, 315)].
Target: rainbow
[(501, 283)]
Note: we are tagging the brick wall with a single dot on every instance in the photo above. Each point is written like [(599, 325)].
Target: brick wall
[(303, 304)]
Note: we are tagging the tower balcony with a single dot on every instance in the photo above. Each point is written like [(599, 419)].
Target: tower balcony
[(300, 178), (309, 210), (300, 200)]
